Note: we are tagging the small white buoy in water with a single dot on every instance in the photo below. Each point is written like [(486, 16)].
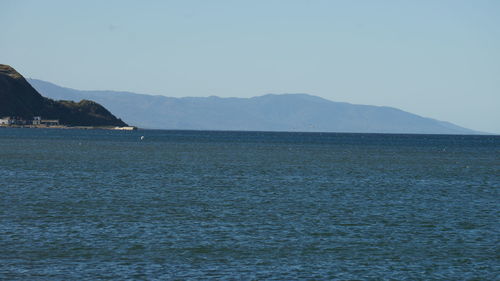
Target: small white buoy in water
[(142, 137)]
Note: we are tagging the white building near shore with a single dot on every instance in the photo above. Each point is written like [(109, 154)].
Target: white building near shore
[(37, 121)]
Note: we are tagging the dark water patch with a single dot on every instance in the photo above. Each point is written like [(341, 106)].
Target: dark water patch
[(247, 205)]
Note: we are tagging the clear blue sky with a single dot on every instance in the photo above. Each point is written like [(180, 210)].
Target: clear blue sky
[(435, 58)]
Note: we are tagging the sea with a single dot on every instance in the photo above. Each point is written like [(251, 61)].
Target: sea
[(226, 205)]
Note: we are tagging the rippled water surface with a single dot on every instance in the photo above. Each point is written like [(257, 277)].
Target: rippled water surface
[(181, 205)]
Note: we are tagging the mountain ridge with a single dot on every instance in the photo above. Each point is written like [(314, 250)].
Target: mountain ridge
[(270, 112)]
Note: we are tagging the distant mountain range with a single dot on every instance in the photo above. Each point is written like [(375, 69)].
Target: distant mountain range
[(19, 99), (285, 112)]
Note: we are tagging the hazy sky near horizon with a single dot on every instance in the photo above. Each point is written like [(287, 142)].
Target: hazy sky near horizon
[(435, 58)]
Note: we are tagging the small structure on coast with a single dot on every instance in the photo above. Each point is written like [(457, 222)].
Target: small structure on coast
[(5, 121), (36, 121), (13, 120)]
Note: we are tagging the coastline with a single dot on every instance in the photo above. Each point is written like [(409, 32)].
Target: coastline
[(127, 128)]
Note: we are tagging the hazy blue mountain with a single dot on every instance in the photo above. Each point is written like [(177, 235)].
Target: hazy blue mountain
[(286, 112)]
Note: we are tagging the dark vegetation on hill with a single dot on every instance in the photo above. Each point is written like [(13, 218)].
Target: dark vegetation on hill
[(19, 99)]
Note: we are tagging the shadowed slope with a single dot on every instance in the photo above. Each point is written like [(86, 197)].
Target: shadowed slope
[(18, 98)]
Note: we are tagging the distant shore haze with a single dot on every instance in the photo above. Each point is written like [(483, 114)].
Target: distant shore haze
[(271, 112)]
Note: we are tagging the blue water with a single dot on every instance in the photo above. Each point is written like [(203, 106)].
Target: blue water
[(195, 205)]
